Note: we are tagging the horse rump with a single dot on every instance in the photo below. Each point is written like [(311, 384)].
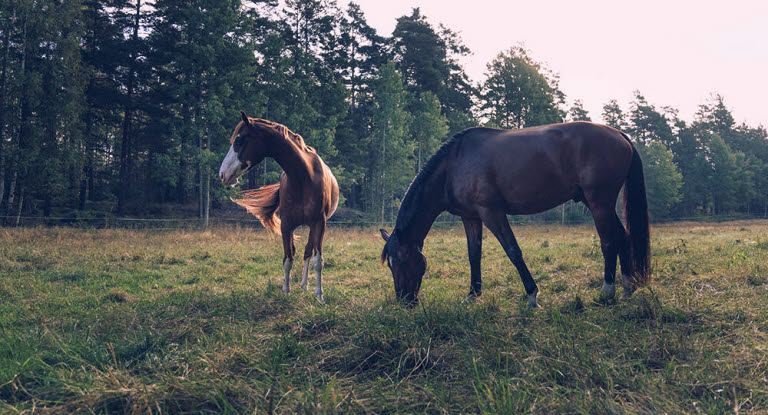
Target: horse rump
[(263, 203)]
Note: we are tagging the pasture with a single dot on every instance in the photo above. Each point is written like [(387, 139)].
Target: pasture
[(112, 321)]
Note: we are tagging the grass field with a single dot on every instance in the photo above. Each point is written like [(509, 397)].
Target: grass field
[(113, 321)]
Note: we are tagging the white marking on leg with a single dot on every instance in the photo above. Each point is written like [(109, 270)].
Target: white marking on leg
[(609, 291), (287, 265), (532, 300), (629, 287), (317, 262), (470, 298), (304, 274)]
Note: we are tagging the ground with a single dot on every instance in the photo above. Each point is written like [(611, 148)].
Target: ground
[(191, 321)]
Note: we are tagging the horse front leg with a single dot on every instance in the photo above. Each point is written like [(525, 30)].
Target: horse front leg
[(474, 230), (288, 252), (307, 256), (316, 233), (496, 221)]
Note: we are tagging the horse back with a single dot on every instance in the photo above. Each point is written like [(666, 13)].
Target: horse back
[(534, 169)]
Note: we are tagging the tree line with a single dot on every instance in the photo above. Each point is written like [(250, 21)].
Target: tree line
[(127, 106)]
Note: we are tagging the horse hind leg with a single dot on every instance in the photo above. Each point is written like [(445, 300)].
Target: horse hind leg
[(316, 233), (611, 234), (307, 256), (625, 260)]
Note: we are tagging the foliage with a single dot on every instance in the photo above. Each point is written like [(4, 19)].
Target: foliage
[(578, 113), (429, 127), (128, 105), (391, 124), (520, 92), (662, 178)]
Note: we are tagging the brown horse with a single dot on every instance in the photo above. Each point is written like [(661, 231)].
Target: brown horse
[(483, 174), (307, 193)]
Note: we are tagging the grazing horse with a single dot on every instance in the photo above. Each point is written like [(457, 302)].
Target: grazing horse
[(484, 174), (307, 193)]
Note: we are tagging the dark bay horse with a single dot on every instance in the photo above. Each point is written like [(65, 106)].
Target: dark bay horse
[(307, 193), (483, 174)]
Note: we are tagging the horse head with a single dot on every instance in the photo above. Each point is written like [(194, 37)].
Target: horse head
[(251, 142), (407, 264)]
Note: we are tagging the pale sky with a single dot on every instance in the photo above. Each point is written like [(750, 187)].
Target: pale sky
[(675, 52)]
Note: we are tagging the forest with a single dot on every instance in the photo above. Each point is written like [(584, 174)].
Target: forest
[(126, 107)]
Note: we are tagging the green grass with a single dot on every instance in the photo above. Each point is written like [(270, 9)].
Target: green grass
[(115, 321)]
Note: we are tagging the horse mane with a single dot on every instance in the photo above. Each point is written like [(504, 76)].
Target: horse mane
[(413, 196), (279, 129)]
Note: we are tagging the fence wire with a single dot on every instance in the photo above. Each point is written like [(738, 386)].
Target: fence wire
[(163, 224)]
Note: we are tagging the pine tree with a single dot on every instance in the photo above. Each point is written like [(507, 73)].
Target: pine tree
[(364, 53), (577, 112), (662, 178), (646, 124), (613, 116), (429, 62), (203, 51), (520, 92), (391, 174), (429, 127)]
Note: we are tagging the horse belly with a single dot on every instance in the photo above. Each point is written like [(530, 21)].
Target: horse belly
[(536, 196), (535, 184)]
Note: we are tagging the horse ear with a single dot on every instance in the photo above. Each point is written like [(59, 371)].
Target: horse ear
[(245, 117), (384, 235)]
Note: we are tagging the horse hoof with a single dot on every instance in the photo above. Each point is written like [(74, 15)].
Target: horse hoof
[(532, 303), (608, 293), (286, 290), (629, 287), (470, 298), (319, 296)]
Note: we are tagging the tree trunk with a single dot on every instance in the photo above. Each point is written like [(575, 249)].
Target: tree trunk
[(126, 161), (200, 167), (83, 191), (418, 166), (200, 189), (3, 102), (181, 180), (562, 215), (8, 206), (23, 115), (205, 185), (88, 167), (20, 205), (383, 176), (207, 201)]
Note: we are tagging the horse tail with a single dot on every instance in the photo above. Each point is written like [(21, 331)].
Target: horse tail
[(263, 203), (636, 218)]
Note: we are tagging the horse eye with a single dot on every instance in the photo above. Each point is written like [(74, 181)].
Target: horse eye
[(238, 144)]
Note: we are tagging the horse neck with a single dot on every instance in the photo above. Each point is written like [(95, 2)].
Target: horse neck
[(427, 207), (294, 160)]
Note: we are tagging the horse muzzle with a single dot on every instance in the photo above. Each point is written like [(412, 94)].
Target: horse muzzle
[(229, 180)]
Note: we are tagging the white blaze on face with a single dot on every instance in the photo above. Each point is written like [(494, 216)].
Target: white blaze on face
[(231, 168)]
